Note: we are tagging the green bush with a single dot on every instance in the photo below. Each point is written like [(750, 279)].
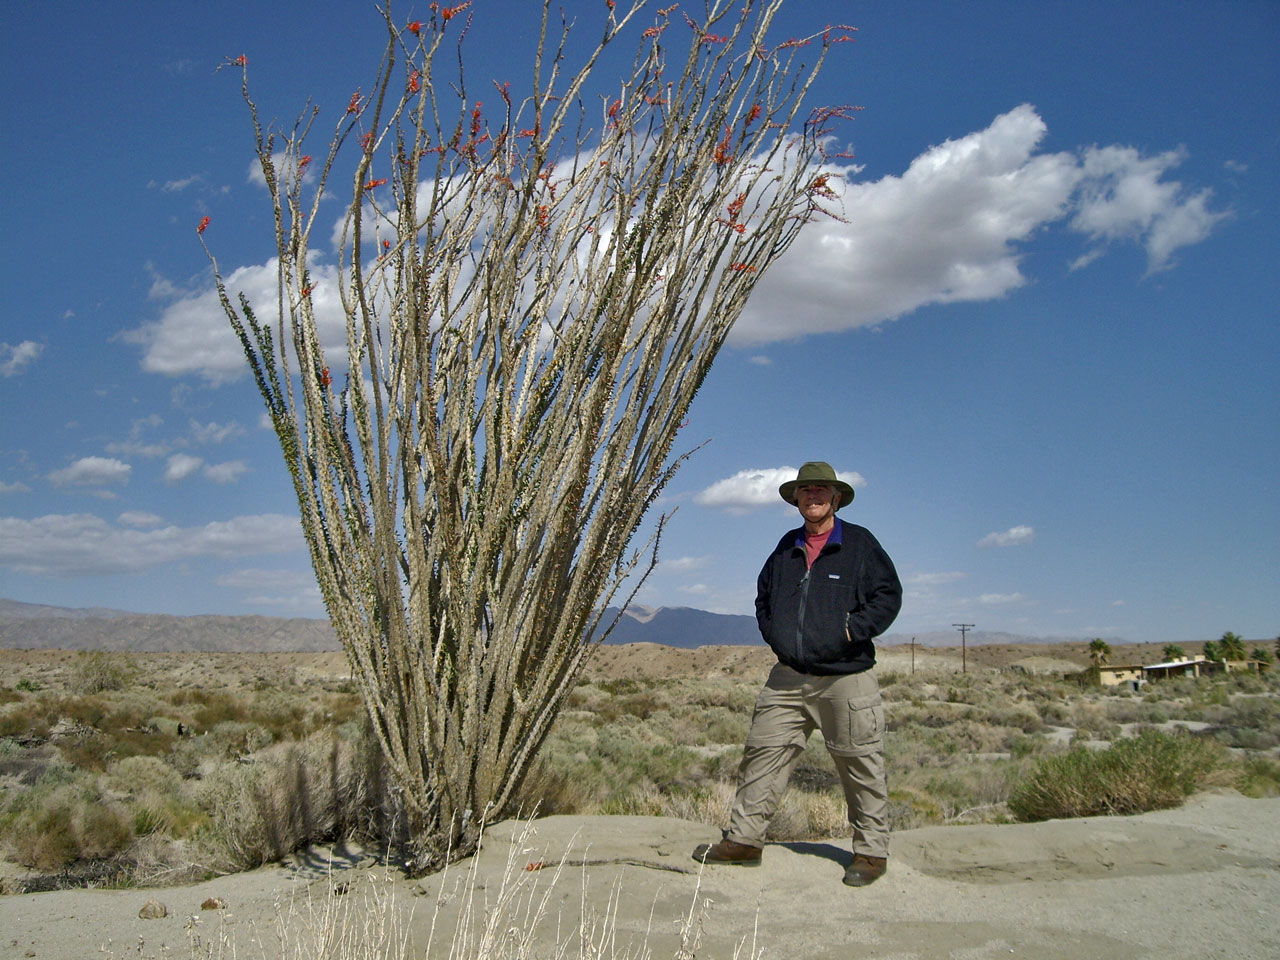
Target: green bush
[(1151, 771)]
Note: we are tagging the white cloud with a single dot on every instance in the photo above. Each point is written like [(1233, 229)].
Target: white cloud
[(684, 564), (228, 472), (70, 545), (91, 471), (140, 519), (15, 358), (695, 589), (1001, 599), (193, 334), (181, 466), (951, 227), (13, 487), (1013, 537), (215, 432), (933, 579), (290, 590), (1124, 196)]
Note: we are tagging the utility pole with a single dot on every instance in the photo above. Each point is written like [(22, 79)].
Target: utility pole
[(964, 628), (913, 656)]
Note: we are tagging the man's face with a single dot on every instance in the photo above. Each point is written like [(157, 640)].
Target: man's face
[(816, 503)]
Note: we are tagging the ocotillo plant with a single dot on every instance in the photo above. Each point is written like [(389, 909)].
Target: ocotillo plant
[(532, 297)]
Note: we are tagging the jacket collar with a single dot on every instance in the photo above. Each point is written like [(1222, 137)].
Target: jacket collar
[(835, 539)]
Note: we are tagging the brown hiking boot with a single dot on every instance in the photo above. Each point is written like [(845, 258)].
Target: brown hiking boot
[(865, 870), (728, 851)]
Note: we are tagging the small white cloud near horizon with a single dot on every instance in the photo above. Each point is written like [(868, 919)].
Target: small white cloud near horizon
[(14, 358), (684, 564), (749, 490), (1001, 599), (1013, 537), (933, 579), (91, 471), (15, 487)]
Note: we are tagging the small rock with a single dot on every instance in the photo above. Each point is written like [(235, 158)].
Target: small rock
[(153, 910), (213, 903)]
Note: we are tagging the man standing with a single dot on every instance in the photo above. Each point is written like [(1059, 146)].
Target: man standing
[(825, 593)]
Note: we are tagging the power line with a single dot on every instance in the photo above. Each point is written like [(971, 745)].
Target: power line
[(964, 628)]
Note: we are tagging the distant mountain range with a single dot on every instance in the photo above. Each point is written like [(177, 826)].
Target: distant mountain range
[(40, 627)]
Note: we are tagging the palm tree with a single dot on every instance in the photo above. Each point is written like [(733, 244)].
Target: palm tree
[(1099, 651), (1261, 654), (1211, 651), (1232, 646), (1173, 652)]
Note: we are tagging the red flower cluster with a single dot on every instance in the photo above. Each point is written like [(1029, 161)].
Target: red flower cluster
[(722, 155), (354, 105), (325, 379), (204, 222), (415, 81), (740, 267), (303, 163), (415, 27), (375, 183)]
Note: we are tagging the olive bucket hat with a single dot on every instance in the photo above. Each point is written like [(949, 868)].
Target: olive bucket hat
[(816, 473)]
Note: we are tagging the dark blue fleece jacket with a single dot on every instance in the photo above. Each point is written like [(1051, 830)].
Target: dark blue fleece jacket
[(822, 620)]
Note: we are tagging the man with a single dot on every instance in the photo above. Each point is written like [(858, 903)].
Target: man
[(825, 593)]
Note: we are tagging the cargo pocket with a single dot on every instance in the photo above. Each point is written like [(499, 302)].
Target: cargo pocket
[(856, 725)]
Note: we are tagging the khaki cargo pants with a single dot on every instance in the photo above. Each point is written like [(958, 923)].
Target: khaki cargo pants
[(848, 711)]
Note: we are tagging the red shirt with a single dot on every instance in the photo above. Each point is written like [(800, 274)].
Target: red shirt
[(813, 544)]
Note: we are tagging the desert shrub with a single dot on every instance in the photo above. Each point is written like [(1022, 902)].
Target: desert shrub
[(102, 830), (9, 696), (1149, 772), (99, 672), (290, 796), (45, 839), (138, 776), (24, 719), (1091, 721), (1259, 777)]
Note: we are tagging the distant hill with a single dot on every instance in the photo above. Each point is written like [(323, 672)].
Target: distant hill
[(39, 627)]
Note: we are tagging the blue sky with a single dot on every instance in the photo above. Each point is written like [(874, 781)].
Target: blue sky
[(1044, 345)]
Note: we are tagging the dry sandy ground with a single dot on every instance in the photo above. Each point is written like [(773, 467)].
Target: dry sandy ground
[(1196, 882)]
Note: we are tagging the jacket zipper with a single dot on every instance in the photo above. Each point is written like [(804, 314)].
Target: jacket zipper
[(804, 596)]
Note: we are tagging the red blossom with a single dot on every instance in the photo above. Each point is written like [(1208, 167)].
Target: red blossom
[(753, 115), (448, 13), (415, 27), (527, 133), (304, 162), (653, 31), (415, 81), (386, 244), (365, 141), (741, 267), (325, 379), (354, 105), (722, 155), (306, 291), (613, 109), (375, 183), (713, 38), (735, 206), (544, 216), (204, 222)]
